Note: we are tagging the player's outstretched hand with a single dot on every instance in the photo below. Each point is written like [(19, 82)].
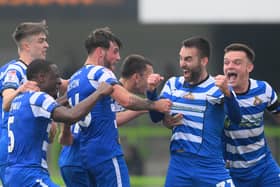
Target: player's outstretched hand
[(63, 100), (171, 121), (104, 89), (29, 86)]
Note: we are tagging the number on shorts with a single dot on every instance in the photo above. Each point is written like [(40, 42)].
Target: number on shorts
[(227, 183)]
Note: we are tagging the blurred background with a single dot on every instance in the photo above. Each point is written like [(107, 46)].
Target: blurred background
[(155, 29)]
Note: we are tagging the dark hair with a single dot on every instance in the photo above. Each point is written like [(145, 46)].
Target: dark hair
[(101, 38), (26, 29), (37, 66), (134, 64), (241, 47), (200, 43)]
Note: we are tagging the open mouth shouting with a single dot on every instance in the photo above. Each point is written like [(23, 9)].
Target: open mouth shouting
[(187, 72), (231, 76)]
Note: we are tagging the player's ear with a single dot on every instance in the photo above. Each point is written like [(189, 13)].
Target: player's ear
[(250, 67), (101, 52), (204, 61), (24, 45), (133, 78)]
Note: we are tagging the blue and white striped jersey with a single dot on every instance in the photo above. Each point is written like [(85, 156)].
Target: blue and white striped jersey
[(12, 75), (70, 155), (28, 128), (246, 145), (203, 110), (99, 139)]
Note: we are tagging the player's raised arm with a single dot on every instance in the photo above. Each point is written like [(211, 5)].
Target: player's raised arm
[(128, 115), (10, 93), (134, 102), (72, 115), (232, 107)]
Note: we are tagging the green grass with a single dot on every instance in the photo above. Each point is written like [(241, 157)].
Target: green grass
[(146, 181), (57, 180), (272, 131), (136, 181)]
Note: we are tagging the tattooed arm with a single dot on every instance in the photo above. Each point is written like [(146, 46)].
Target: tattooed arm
[(134, 102)]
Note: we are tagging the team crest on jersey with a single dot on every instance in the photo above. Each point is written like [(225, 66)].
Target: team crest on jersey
[(189, 96), (257, 101), (12, 76)]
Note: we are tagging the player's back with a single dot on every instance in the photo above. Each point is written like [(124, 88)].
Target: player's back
[(99, 134), (29, 124)]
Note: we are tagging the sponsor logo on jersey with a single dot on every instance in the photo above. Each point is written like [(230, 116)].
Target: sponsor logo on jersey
[(189, 96), (257, 101)]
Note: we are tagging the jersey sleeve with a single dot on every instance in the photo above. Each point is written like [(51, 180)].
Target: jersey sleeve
[(166, 91), (273, 105), (42, 104), (232, 108), (100, 74), (12, 77)]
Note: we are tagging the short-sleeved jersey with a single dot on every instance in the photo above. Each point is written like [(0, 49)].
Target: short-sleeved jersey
[(70, 155), (203, 112), (246, 145), (28, 127), (12, 75), (99, 134)]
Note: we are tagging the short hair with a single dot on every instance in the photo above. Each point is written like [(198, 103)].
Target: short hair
[(241, 47), (37, 66), (27, 29), (200, 43), (134, 64), (101, 37)]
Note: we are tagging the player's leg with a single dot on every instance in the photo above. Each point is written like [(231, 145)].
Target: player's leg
[(39, 177), (177, 172), (74, 176), (2, 173), (214, 182), (92, 180), (3, 154), (16, 177), (212, 173), (112, 173), (245, 183), (271, 175)]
